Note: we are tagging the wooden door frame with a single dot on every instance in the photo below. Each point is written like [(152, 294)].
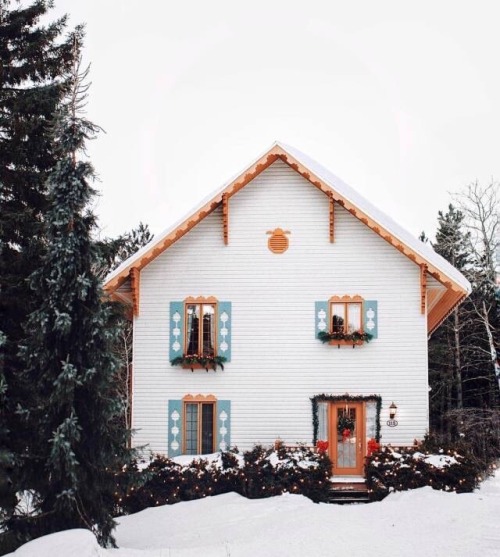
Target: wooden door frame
[(361, 434)]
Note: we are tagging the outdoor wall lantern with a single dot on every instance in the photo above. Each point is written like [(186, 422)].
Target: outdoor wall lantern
[(392, 411)]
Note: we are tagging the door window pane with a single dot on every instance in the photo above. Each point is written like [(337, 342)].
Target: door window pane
[(346, 437)]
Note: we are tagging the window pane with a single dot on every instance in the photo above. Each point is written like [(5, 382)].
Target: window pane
[(207, 428), (322, 421), (191, 429), (338, 318), (193, 328), (208, 330), (346, 437), (353, 317)]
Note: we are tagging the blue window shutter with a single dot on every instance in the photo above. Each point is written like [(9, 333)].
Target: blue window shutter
[(174, 428), (223, 421), (176, 329), (320, 318), (225, 325), (370, 318)]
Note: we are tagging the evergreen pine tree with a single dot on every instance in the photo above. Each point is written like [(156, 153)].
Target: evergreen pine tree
[(80, 439), (460, 371), (445, 346), (32, 60)]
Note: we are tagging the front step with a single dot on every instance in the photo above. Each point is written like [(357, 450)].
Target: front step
[(347, 493)]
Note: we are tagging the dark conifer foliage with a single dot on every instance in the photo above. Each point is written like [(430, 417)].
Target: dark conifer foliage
[(32, 60), (461, 374), (80, 440), (445, 346)]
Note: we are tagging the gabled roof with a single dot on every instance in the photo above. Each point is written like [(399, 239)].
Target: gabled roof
[(450, 286)]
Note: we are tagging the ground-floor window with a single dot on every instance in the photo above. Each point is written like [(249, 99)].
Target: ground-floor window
[(199, 427), (198, 424)]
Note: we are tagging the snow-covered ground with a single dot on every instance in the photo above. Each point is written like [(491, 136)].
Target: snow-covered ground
[(419, 522)]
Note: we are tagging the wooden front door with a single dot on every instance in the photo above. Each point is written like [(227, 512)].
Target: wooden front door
[(347, 438)]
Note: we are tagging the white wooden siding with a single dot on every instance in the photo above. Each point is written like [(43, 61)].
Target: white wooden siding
[(277, 364)]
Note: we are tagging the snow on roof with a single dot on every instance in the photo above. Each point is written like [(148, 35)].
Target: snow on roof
[(339, 186), (425, 250)]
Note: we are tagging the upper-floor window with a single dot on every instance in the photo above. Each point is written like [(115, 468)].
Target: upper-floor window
[(346, 320), (346, 316), (200, 332), (200, 329)]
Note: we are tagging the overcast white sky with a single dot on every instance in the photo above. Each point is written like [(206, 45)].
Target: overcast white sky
[(400, 99)]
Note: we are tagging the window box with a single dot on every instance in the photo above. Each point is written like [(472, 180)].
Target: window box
[(200, 333), (343, 321), (193, 361)]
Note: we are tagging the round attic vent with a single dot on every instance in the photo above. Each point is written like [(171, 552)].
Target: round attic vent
[(278, 242)]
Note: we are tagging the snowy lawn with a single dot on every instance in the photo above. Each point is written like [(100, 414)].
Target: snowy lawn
[(419, 522)]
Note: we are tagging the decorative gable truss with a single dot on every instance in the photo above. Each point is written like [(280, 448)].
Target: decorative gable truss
[(449, 288)]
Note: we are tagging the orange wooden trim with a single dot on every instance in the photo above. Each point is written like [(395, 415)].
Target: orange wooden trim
[(450, 300), (346, 299), (193, 366), (200, 300), (360, 215), (434, 295), (332, 216), (135, 284), (423, 288), (225, 217), (236, 185), (199, 398), (247, 176), (343, 342), (278, 242), (121, 297)]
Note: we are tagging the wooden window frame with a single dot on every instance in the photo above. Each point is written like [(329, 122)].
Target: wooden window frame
[(199, 400), (200, 301), (345, 301)]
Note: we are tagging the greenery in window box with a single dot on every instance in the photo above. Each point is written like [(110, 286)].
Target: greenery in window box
[(356, 336), (208, 362)]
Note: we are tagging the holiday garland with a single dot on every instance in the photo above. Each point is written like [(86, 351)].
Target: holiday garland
[(345, 398), (356, 336), (207, 362)]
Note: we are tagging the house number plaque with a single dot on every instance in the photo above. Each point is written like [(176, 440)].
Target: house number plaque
[(392, 423)]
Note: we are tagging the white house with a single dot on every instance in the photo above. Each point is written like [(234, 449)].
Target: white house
[(281, 254)]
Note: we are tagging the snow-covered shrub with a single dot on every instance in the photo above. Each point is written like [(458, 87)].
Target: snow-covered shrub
[(164, 482), (391, 469), (287, 469), (260, 472)]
